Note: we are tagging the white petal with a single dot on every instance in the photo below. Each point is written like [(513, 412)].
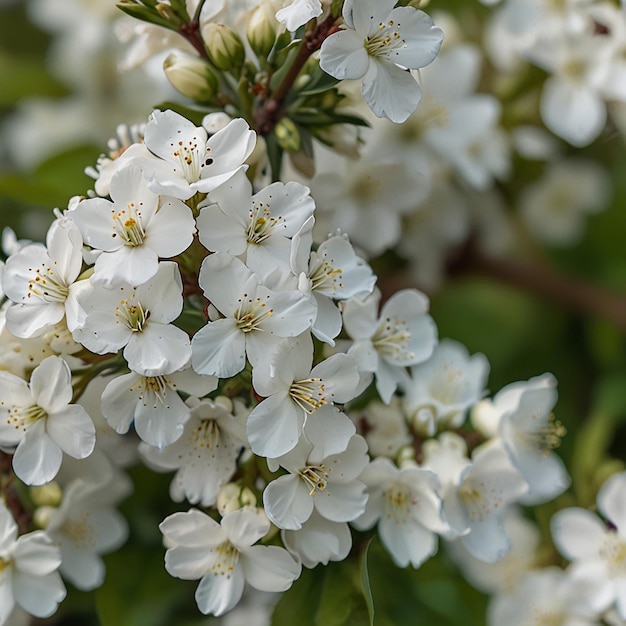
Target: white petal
[(343, 55), (612, 501), (217, 594), (51, 384), (577, 533), (39, 595), (219, 349), (390, 92), (73, 431), (269, 568), (37, 458), (407, 543), (275, 425), (571, 111), (158, 349), (287, 503)]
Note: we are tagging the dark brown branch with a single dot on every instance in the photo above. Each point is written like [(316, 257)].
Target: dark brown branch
[(270, 112), (570, 293)]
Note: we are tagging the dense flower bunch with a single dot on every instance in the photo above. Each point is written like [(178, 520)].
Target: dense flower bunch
[(195, 299)]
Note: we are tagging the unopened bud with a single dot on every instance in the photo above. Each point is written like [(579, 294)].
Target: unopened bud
[(262, 29), (43, 515), (406, 457), (288, 135), (46, 495), (233, 497), (190, 75), (224, 46)]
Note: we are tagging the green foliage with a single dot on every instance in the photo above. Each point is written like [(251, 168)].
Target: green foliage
[(324, 596)]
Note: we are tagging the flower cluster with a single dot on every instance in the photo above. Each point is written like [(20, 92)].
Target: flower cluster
[(196, 314)]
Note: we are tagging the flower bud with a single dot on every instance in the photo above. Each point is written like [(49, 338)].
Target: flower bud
[(190, 75), (233, 497), (262, 29), (288, 135), (224, 46), (49, 494), (43, 515)]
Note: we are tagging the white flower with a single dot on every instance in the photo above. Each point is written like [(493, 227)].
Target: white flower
[(475, 508), (554, 207), (185, 160), (503, 575), (133, 231), (28, 575), (547, 596), (406, 505), (332, 272), (256, 318), (159, 413), (442, 389), (138, 320), (38, 279), (597, 548), (205, 456), (298, 13), (224, 558), (378, 45), (294, 393), (404, 334), (259, 226), (39, 419), (87, 525), (530, 433), (328, 484), (318, 541)]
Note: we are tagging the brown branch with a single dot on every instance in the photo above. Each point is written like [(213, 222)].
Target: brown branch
[(574, 294), (270, 112)]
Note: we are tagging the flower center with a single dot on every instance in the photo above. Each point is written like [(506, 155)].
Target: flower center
[(206, 435), (316, 477), (4, 564), (386, 40), (46, 286), (261, 223), (251, 312), (132, 314), (127, 223), (546, 437), (398, 503), (324, 276), (227, 557), (613, 551), (188, 156), (309, 394), (153, 390), (24, 416), (392, 338), (474, 500), (81, 532), (549, 618)]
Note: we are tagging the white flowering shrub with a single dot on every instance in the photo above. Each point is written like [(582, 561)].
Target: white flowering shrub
[(219, 367)]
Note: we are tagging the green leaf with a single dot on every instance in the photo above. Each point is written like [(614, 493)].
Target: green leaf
[(337, 595), (145, 14), (138, 597), (365, 584), (25, 78), (322, 118), (299, 604), (320, 83), (274, 155)]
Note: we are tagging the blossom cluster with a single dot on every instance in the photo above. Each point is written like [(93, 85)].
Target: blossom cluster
[(196, 314), (264, 377)]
